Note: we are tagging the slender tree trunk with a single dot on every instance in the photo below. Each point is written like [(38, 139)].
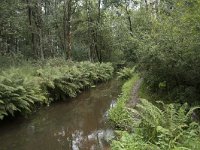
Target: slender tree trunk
[(41, 44), (99, 19), (129, 20), (89, 20), (64, 29), (69, 40), (29, 2), (67, 28), (36, 27), (39, 26)]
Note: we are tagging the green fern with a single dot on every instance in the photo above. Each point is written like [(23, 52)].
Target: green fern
[(167, 128), (125, 73), (22, 88), (18, 93), (69, 80)]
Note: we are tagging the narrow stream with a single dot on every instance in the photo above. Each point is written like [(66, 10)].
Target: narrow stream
[(76, 124)]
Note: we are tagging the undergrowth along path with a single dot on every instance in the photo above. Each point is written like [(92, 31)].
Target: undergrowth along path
[(135, 93)]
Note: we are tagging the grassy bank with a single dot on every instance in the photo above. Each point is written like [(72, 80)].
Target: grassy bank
[(153, 127), (25, 87), (119, 115)]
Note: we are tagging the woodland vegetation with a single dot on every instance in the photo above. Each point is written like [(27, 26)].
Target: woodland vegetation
[(161, 37), (51, 49), (149, 126), (21, 89)]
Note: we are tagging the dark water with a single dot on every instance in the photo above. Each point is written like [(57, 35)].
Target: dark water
[(77, 124)]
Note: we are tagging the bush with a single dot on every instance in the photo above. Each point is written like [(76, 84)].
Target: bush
[(18, 93), (126, 73), (153, 127), (168, 128), (68, 80), (168, 50), (131, 142), (22, 88)]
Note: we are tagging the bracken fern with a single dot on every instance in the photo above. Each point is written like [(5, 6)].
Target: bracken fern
[(167, 128)]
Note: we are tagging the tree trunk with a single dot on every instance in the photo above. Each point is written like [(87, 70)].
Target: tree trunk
[(99, 19), (41, 44), (67, 28), (39, 27), (31, 28), (129, 20), (69, 15), (89, 20)]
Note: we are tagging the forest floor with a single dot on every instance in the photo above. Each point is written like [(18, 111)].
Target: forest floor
[(135, 93)]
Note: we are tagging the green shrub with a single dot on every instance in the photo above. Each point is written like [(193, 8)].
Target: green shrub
[(152, 127), (168, 128), (22, 88), (69, 80), (18, 93), (126, 73), (131, 142)]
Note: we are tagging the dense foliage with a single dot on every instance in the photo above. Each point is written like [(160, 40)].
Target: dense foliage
[(78, 29), (162, 127), (70, 79), (161, 36), (18, 92), (168, 48), (22, 88), (125, 73)]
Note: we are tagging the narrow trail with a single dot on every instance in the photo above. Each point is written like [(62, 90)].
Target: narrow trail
[(135, 93)]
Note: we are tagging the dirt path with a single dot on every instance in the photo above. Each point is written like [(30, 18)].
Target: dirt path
[(134, 98)]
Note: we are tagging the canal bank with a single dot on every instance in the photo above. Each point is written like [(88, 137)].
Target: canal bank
[(80, 123)]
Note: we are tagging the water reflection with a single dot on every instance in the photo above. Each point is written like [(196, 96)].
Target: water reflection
[(79, 124)]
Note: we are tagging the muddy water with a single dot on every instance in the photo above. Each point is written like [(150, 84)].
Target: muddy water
[(77, 124)]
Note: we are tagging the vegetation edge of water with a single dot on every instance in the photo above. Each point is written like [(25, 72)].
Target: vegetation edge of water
[(118, 115), (22, 89), (151, 127)]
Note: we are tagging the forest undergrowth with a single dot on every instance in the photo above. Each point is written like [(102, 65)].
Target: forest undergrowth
[(152, 125), (26, 87)]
